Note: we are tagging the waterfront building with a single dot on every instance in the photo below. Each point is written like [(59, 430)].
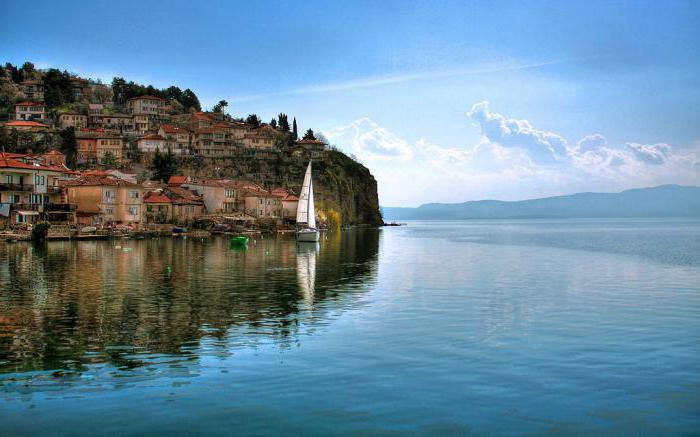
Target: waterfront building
[(173, 205), (106, 200), (221, 195), (262, 204), (30, 192)]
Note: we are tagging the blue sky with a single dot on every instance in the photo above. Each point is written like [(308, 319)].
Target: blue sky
[(397, 83)]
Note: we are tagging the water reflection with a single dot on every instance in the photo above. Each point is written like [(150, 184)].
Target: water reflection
[(306, 270), (129, 303)]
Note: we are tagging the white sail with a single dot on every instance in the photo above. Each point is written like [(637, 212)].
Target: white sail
[(312, 207), (306, 213)]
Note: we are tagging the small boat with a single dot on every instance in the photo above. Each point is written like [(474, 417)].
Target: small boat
[(88, 229), (179, 230), (306, 211), (239, 241)]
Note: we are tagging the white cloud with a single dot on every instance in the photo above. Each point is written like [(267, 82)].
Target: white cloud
[(513, 160), (542, 146), (654, 154)]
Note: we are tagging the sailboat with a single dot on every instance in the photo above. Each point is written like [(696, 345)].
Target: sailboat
[(306, 212)]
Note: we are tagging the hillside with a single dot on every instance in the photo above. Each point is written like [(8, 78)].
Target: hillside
[(661, 201), (346, 191)]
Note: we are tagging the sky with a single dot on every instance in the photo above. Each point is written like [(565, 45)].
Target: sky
[(443, 101)]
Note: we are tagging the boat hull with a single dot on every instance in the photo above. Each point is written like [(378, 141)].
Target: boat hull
[(307, 236)]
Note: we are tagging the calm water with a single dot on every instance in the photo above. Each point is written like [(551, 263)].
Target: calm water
[(438, 327)]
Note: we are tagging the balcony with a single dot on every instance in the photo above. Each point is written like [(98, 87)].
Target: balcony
[(16, 187), (44, 207), (60, 207)]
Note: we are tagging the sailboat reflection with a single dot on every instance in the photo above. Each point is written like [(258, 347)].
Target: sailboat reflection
[(306, 270)]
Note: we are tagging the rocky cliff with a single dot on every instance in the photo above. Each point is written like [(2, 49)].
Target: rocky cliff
[(345, 190)]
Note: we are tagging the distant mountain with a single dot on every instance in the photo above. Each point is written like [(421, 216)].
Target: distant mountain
[(661, 201)]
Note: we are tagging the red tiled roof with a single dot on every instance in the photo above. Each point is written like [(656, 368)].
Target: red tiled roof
[(29, 104), (18, 123), (177, 180), (155, 197), (172, 129), (147, 97), (151, 137), (97, 180), (174, 195), (310, 142), (9, 162)]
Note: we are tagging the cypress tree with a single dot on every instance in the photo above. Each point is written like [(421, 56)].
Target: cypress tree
[(294, 129)]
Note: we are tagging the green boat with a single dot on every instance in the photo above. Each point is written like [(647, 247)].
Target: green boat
[(239, 241)]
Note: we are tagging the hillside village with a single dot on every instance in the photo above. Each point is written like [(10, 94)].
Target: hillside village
[(82, 153)]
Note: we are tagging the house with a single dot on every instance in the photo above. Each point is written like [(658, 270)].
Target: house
[(33, 90), (30, 111), (121, 123), (105, 200), (176, 139), (221, 196), (142, 123), (147, 105), (94, 144), (72, 119), (173, 205), (260, 203), (289, 203), (151, 143), (261, 138), (53, 158), (95, 108), (30, 192), (313, 147)]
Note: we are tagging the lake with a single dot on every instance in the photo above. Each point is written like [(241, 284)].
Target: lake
[(486, 327)]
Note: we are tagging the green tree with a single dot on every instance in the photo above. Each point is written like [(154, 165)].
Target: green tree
[(273, 123), (69, 146), (309, 135), (283, 122), (219, 107), (253, 120), (190, 100), (109, 160), (164, 165), (57, 88), (295, 133)]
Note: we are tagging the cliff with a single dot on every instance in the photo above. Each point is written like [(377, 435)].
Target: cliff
[(345, 190)]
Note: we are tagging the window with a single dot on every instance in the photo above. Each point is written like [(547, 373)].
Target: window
[(8, 178), (230, 193), (109, 194), (109, 211), (133, 210), (133, 194)]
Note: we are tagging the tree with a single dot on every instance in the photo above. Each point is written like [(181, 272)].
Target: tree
[(28, 68), (273, 123), (219, 107), (57, 88), (253, 120), (283, 122), (190, 100), (164, 165), (69, 146), (309, 135), (295, 133), (109, 160)]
